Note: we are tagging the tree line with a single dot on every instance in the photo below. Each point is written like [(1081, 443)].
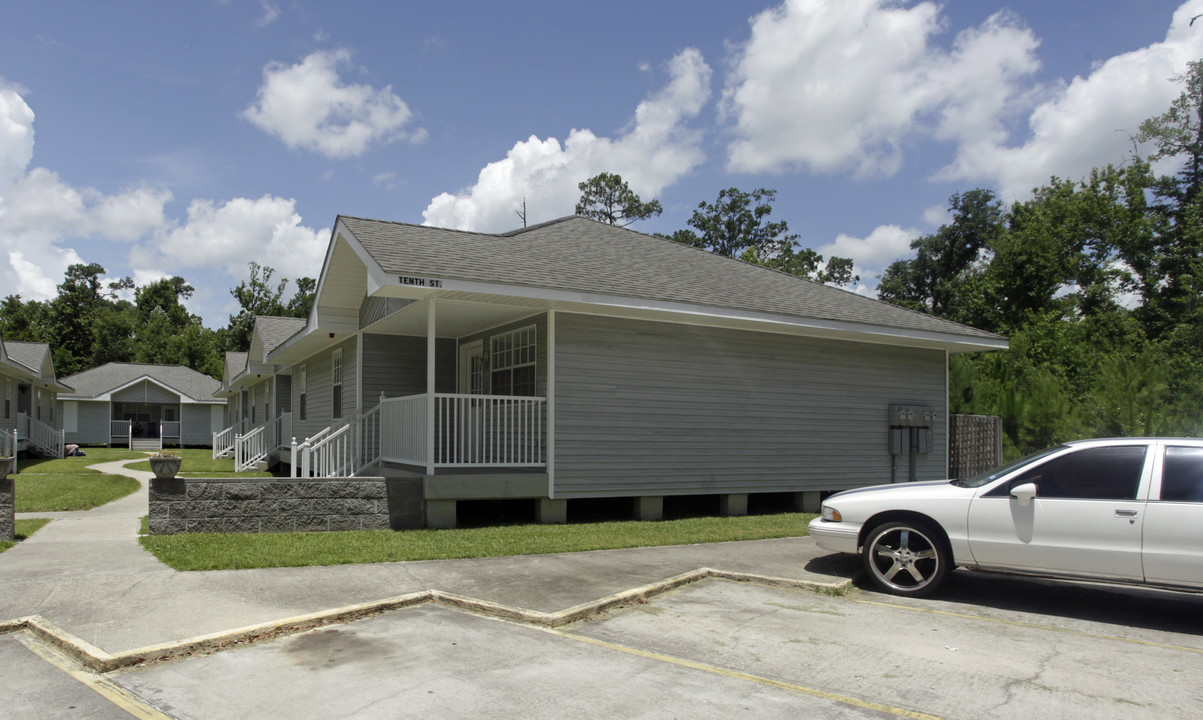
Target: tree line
[(1098, 284), (90, 322)]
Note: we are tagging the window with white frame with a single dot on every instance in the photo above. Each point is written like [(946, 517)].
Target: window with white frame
[(37, 403), (302, 385), (512, 361), (336, 381), (8, 399)]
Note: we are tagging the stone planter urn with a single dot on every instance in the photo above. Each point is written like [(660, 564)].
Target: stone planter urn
[(165, 467), (6, 466)]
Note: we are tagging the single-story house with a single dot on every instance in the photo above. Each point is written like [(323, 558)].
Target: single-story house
[(28, 400), (142, 406), (258, 394), (574, 359)]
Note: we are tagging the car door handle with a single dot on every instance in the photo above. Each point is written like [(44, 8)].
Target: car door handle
[(1125, 513)]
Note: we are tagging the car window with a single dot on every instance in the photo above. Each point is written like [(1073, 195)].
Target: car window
[(1182, 474), (1104, 473)]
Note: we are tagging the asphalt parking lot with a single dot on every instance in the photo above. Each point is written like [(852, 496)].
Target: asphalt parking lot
[(987, 647)]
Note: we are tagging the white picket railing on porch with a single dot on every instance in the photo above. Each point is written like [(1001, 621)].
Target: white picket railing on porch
[(122, 430), (249, 449), (470, 430), (170, 430), (45, 437), (223, 442)]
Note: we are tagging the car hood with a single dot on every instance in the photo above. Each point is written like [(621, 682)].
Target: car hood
[(900, 491)]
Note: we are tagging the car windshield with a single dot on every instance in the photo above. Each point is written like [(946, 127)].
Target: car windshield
[(992, 475)]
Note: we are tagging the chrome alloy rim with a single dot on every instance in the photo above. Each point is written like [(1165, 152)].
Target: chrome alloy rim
[(904, 558)]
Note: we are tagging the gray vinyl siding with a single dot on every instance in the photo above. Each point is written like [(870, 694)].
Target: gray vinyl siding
[(646, 408), (145, 392), (93, 426), (195, 425), (319, 403), (396, 366), (540, 323)]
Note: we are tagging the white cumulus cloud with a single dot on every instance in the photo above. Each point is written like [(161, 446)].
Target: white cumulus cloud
[(308, 105), (1088, 122), (41, 216), (845, 85), (657, 150), (226, 236), (872, 253)]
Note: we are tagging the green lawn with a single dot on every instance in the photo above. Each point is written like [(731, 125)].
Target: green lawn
[(24, 529), (199, 462), (77, 465), (84, 491), (214, 551)]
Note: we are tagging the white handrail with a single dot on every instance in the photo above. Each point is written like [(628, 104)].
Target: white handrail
[(249, 449), (47, 437)]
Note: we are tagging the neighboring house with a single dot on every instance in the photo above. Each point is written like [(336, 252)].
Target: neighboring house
[(258, 394), (28, 400), (574, 360), (142, 406)]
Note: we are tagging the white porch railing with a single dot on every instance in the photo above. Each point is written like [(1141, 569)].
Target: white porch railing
[(470, 430), (47, 439), (339, 451), (223, 442), (9, 445), (170, 430), (123, 430), (249, 449)]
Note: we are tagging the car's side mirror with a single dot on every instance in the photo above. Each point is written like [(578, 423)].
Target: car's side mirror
[(1024, 493)]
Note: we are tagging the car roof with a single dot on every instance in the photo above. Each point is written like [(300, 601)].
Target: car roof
[(1136, 441)]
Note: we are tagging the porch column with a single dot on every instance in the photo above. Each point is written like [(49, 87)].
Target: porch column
[(430, 359), (550, 416)]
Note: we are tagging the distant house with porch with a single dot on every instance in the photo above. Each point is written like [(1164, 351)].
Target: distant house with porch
[(142, 407), (29, 390), (576, 360)]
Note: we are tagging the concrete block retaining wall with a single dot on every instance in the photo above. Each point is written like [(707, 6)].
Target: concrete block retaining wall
[(253, 505), (8, 502)]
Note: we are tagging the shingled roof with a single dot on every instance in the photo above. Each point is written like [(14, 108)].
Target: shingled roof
[(99, 381), (274, 330), (582, 255), (29, 354)]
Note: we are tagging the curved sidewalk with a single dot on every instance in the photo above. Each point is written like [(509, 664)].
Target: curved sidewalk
[(86, 573)]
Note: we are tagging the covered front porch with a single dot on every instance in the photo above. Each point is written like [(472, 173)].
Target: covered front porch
[(144, 425)]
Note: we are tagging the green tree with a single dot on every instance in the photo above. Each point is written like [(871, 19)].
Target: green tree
[(736, 223), (945, 276), (257, 296), (607, 197), (72, 314)]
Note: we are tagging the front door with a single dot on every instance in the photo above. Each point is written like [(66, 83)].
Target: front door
[(1086, 518), (472, 368)]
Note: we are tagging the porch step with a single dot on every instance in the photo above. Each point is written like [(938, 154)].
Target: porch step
[(145, 445)]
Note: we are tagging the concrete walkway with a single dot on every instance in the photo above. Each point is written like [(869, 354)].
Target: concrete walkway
[(86, 573)]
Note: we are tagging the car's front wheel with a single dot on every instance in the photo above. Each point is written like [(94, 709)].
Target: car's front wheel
[(906, 558)]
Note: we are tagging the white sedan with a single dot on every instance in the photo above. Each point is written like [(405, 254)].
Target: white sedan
[(1126, 510)]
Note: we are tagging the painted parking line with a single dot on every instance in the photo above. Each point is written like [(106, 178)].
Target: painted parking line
[(1031, 625), (746, 677), (135, 706)]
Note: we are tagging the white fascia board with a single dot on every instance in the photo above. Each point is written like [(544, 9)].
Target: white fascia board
[(420, 287)]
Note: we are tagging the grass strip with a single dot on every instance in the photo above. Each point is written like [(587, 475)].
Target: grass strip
[(221, 551), (199, 462), (52, 493), (24, 528), (76, 465)]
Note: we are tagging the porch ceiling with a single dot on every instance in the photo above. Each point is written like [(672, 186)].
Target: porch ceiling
[(453, 318)]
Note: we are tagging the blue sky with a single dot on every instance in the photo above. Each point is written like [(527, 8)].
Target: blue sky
[(190, 138)]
